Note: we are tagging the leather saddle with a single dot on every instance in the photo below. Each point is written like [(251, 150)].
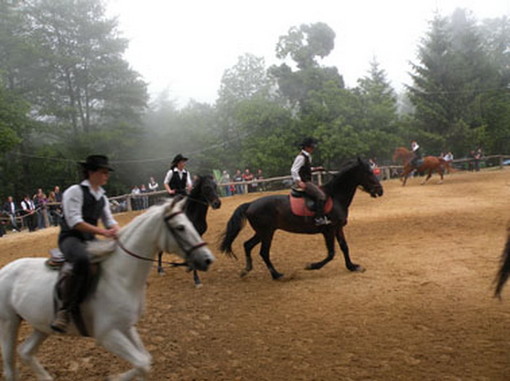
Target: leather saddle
[(303, 205)]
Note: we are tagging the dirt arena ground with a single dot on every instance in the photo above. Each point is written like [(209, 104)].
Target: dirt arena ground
[(423, 310)]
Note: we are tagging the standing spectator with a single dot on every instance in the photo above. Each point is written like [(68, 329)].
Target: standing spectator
[(145, 198), (54, 209), (225, 179), (259, 176), (178, 179), (136, 201), (40, 201), (153, 185), (58, 194), (238, 178), (248, 176), (28, 207), (478, 154), (10, 209)]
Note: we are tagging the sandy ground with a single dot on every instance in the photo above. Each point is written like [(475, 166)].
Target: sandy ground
[(423, 310)]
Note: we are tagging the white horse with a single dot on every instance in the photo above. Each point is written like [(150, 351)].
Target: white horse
[(110, 314)]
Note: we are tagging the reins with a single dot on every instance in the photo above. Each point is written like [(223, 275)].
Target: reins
[(176, 237)]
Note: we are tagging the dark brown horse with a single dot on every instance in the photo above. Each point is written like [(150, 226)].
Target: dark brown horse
[(267, 214), (428, 164), (203, 195), (504, 270)]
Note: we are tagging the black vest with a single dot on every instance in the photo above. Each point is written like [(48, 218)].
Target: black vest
[(305, 172), (177, 184), (91, 212)]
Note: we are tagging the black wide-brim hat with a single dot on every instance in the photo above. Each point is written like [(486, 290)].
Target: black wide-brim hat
[(95, 162), (177, 159), (309, 142)]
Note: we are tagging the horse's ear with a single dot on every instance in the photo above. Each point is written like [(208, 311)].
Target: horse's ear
[(178, 201), (360, 161)]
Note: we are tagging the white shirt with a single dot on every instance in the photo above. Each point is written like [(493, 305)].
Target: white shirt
[(170, 174), (299, 161), (72, 203), (27, 205), (415, 146), (153, 186)]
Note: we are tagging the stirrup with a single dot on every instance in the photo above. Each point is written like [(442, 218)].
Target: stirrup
[(319, 221)]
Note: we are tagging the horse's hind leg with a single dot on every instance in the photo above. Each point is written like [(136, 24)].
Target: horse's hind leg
[(330, 244), (8, 335), (28, 349), (264, 253), (248, 247)]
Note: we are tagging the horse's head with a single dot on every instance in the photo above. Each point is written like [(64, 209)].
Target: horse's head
[(401, 153), (205, 188), (367, 180), (182, 238)]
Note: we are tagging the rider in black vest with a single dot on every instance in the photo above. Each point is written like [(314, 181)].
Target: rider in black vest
[(301, 172), (177, 180), (83, 205)]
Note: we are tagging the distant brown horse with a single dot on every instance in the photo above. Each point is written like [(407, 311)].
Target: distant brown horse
[(427, 164)]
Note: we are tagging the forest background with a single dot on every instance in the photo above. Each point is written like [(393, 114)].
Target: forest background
[(66, 91)]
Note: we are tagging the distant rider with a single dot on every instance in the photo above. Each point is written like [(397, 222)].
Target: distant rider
[(301, 172), (415, 148)]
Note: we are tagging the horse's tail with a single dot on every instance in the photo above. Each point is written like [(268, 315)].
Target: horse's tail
[(234, 226), (504, 271)]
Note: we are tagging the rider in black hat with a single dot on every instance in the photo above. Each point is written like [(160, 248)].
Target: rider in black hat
[(178, 179), (83, 205), (301, 172)]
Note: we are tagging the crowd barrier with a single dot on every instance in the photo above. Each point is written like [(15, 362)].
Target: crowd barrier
[(132, 202)]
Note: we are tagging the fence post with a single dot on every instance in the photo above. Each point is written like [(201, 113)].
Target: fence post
[(128, 202)]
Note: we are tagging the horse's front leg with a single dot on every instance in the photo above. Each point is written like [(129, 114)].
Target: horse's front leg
[(129, 347), (329, 237), (196, 279), (345, 250), (27, 351), (161, 271), (248, 247), (427, 178)]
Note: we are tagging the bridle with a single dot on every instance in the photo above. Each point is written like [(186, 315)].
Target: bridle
[(180, 241)]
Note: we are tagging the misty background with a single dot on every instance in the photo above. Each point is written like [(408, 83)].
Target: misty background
[(69, 87)]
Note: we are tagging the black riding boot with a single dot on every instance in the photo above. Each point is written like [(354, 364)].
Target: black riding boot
[(320, 217), (69, 288)]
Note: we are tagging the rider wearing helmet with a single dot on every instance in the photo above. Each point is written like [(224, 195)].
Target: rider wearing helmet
[(83, 205), (301, 172)]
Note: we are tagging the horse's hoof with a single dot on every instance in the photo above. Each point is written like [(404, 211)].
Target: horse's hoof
[(243, 273), (277, 276), (312, 266), (198, 285), (161, 272), (358, 269)]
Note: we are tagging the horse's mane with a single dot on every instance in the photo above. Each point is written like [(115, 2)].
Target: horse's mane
[(339, 177), (401, 152), (104, 247)]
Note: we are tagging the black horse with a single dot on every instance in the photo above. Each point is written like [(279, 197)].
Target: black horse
[(270, 213), (504, 270), (203, 194)]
